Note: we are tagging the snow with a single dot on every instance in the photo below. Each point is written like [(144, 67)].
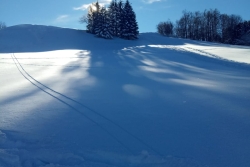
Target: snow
[(69, 99)]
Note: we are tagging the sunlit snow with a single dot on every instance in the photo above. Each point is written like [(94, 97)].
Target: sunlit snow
[(69, 99)]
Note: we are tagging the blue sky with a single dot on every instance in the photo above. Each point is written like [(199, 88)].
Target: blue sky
[(66, 13)]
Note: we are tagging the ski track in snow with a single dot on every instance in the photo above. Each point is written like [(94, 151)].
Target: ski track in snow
[(35, 83), (53, 93), (202, 52), (12, 157)]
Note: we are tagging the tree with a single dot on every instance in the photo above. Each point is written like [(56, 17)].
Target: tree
[(228, 26), (224, 24), (119, 18), (102, 28), (92, 17), (129, 27), (241, 29), (113, 14), (165, 28), (210, 25), (182, 25), (215, 25), (197, 23), (242, 33)]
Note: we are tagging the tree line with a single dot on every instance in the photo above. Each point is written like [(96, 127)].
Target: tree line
[(118, 20), (209, 25)]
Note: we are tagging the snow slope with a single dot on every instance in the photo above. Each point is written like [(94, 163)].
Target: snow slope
[(70, 99)]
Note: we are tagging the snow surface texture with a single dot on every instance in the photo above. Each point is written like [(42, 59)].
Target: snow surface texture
[(68, 99)]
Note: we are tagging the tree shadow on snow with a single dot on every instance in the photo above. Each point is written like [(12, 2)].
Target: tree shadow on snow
[(158, 99)]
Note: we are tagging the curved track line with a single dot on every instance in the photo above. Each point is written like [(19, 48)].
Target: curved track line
[(90, 109), (62, 101)]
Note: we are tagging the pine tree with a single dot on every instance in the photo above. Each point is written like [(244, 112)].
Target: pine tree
[(129, 27), (119, 18), (115, 14), (102, 28), (112, 17), (89, 21), (92, 17)]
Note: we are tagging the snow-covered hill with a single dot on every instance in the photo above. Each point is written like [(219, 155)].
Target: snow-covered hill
[(68, 98)]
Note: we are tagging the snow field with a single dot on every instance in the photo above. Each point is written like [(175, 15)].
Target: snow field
[(156, 101)]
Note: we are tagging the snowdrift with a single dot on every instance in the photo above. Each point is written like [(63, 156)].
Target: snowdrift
[(68, 98)]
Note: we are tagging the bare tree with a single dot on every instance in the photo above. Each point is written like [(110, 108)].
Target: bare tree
[(83, 19), (165, 28), (210, 25)]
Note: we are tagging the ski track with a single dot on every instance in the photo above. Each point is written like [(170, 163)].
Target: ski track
[(224, 60), (64, 102), (53, 94), (39, 65)]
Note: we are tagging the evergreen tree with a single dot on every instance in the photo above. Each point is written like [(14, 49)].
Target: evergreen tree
[(112, 17), (119, 18), (92, 17), (129, 26), (115, 15), (102, 28)]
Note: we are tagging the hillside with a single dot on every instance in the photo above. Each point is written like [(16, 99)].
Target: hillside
[(69, 99)]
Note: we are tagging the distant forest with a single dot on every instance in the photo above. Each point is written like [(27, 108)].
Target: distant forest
[(209, 25)]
